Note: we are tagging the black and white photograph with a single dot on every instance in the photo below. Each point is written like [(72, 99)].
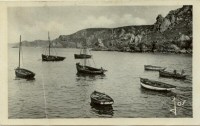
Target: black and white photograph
[(100, 61)]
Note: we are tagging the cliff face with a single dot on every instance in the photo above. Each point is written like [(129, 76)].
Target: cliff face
[(170, 33)]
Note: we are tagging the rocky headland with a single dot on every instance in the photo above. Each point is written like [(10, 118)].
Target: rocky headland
[(169, 34)]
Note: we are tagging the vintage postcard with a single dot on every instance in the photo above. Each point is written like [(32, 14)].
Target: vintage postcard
[(99, 62)]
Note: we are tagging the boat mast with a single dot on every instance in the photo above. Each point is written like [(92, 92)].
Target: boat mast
[(84, 52), (19, 50), (49, 43)]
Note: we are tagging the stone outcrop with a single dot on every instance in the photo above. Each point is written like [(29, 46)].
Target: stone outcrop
[(171, 33), (174, 17)]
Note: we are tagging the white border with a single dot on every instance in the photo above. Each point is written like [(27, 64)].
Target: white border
[(92, 121)]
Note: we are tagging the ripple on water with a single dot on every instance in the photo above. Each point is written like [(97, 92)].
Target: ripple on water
[(68, 94)]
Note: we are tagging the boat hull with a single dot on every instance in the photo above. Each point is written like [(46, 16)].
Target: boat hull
[(101, 99), (153, 68), (82, 56), (89, 70), (155, 85), (102, 103), (52, 58), (154, 88), (166, 74), (24, 73)]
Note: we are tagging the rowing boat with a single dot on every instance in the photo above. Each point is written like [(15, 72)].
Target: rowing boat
[(99, 98), (155, 85), (153, 68)]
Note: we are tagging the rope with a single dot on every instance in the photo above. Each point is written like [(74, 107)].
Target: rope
[(45, 51), (55, 51), (92, 59), (89, 63)]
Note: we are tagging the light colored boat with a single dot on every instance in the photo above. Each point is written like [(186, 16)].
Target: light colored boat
[(153, 68), (155, 85)]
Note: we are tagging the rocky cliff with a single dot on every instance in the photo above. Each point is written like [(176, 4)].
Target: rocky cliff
[(172, 33)]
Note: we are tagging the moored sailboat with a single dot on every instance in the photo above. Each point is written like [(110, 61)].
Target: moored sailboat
[(85, 69), (82, 55), (21, 72), (49, 57)]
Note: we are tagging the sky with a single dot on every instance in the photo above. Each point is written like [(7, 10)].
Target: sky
[(33, 23)]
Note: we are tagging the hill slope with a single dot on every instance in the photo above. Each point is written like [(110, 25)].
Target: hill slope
[(172, 33)]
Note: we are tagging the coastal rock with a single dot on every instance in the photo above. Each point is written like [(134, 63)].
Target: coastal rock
[(165, 25), (183, 37), (158, 23), (162, 36)]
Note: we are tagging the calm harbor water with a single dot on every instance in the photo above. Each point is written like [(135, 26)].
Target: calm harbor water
[(68, 95)]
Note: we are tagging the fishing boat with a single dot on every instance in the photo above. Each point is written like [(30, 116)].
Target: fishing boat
[(155, 85), (49, 57), (21, 72), (82, 55), (153, 68), (167, 74), (98, 98), (85, 69)]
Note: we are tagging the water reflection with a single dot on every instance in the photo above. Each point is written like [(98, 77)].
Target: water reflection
[(29, 79), (68, 94), (89, 77), (102, 110)]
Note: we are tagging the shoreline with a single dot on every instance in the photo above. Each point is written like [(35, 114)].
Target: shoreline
[(156, 52), (125, 51)]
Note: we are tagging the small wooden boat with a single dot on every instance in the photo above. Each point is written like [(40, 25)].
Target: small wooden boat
[(174, 74), (155, 85), (21, 72), (24, 73), (49, 57), (85, 69), (52, 58), (81, 56), (89, 70), (99, 98), (153, 68)]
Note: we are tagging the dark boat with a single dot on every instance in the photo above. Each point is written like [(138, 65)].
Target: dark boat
[(174, 74), (102, 109), (81, 56), (49, 57), (98, 98), (85, 69), (21, 72), (52, 58), (153, 68), (89, 70), (155, 85)]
